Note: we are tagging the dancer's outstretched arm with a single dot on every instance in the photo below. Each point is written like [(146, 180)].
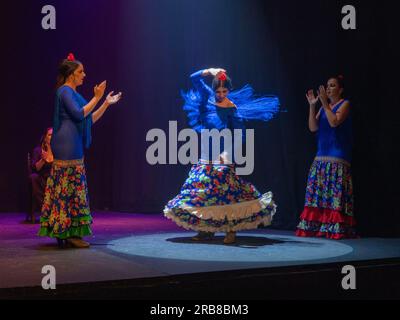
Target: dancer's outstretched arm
[(72, 106), (98, 94), (198, 81)]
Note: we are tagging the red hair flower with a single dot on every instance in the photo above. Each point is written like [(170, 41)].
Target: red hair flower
[(71, 57), (222, 77)]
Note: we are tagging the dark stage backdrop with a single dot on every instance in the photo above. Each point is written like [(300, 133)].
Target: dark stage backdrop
[(147, 49)]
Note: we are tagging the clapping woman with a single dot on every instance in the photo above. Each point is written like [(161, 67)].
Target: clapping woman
[(65, 211), (328, 209)]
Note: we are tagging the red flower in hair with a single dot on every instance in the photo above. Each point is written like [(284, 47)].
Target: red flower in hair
[(71, 57), (222, 77)]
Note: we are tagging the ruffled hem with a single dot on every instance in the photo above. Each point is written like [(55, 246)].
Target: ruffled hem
[(81, 231), (245, 215), (325, 215), (236, 211), (264, 221), (319, 234), (327, 223), (75, 221)]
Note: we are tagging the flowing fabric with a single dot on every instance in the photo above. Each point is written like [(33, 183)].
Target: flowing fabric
[(203, 113), (213, 198)]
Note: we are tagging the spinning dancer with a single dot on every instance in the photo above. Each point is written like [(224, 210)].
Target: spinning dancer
[(213, 198)]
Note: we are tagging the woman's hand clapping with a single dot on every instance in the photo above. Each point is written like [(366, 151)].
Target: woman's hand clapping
[(99, 90), (112, 99), (311, 98)]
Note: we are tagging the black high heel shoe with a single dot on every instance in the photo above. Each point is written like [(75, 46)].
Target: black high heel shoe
[(61, 243)]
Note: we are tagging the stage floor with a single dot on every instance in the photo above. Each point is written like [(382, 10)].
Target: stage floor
[(132, 246)]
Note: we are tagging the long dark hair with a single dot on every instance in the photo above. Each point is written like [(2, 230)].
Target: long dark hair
[(44, 137), (65, 69)]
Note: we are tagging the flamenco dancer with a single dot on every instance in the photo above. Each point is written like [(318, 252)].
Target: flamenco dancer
[(213, 198), (328, 209), (65, 211)]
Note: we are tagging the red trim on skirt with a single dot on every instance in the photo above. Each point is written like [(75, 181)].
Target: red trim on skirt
[(324, 215)]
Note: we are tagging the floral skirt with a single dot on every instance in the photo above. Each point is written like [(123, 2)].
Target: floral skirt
[(328, 209), (215, 199), (65, 210)]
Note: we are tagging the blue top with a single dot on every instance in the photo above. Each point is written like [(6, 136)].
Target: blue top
[(203, 113), (335, 142), (71, 129)]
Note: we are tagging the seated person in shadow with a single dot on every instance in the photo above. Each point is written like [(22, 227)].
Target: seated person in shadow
[(41, 161)]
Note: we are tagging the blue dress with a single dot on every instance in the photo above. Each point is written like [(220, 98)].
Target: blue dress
[(328, 209), (71, 130), (65, 210), (213, 198)]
